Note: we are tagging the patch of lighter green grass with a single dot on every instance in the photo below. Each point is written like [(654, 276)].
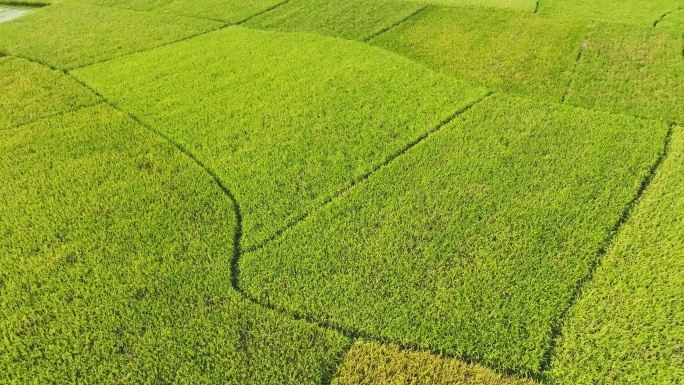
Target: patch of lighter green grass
[(115, 254), (67, 36), (472, 242), (377, 364), (640, 12), (630, 70), (286, 120), (628, 325), (31, 91), (349, 19), (506, 50)]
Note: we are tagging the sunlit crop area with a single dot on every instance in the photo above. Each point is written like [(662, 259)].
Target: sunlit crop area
[(433, 192)]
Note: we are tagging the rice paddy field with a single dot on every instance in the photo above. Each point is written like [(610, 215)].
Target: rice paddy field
[(347, 192)]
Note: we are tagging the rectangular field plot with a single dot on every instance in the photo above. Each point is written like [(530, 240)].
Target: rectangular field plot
[(115, 266), (631, 70), (285, 120), (473, 241), (67, 36), (640, 12), (628, 324), (31, 91), (349, 19), (373, 363), (507, 50)]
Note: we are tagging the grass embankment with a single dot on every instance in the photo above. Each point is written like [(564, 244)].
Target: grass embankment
[(626, 327), (371, 363), (349, 19), (506, 50), (116, 252), (631, 70), (285, 120), (471, 243), (31, 92), (68, 36)]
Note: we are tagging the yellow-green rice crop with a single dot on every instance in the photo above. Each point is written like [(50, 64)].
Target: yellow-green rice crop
[(285, 120), (115, 253), (67, 36), (473, 242), (29, 91)]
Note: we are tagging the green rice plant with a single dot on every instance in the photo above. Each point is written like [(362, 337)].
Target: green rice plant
[(373, 363), (31, 91), (674, 22), (140, 5), (231, 11), (349, 19), (285, 120), (628, 324), (639, 12), (67, 36), (629, 70), (520, 5), (115, 254), (472, 242), (506, 50)]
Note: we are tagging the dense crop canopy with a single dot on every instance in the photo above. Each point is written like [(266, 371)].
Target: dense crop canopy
[(286, 120), (115, 266), (630, 70), (640, 12), (472, 242), (30, 91), (372, 363), (628, 326), (350, 19), (67, 36), (507, 50), (231, 11)]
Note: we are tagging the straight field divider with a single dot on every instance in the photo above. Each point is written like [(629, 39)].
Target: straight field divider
[(224, 26), (402, 21), (261, 12), (352, 335), (557, 326), (368, 174), (54, 115)]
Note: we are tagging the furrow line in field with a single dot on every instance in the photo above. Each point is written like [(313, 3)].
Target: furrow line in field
[(402, 21), (261, 13), (556, 329), (155, 47), (352, 335), (365, 176), (574, 70), (666, 14), (225, 25), (54, 115)]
